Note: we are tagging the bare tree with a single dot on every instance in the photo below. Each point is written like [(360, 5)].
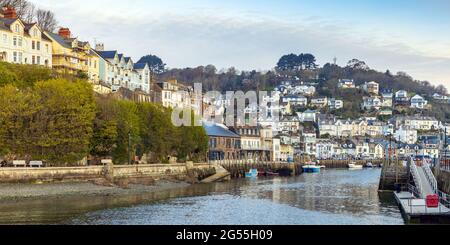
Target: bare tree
[(28, 13), (46, 20), (22, 7)]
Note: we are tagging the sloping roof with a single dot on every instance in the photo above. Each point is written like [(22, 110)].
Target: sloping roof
[(63, 42), (5, 24), (213, 129), (139, 66), (107, 54)]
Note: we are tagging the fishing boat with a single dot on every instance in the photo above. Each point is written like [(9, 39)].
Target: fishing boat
[(253, 173), (354, 166), (311, 168)]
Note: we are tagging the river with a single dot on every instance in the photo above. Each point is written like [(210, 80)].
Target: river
[(333, 197)]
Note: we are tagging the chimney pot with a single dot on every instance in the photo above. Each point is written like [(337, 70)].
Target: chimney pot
[(9, 12), (64, 32)]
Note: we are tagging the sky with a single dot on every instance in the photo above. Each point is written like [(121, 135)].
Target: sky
[(412, 36)]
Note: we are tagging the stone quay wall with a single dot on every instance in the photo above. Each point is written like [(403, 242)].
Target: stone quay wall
[(109, 172)]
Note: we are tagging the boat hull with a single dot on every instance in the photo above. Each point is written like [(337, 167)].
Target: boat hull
[(311, 169)]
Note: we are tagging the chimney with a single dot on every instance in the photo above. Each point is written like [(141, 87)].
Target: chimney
[(64, 32), (100, 47), (9, 12)]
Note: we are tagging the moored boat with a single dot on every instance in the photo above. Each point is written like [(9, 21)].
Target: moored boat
[(253, 173), (354, 166), (312, 168)]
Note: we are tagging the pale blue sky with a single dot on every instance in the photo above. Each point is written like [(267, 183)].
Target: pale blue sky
[(401, 35)]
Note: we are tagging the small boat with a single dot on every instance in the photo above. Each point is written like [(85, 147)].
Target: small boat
[(253, 173), (370, 165), (311, 168), (354, 166)]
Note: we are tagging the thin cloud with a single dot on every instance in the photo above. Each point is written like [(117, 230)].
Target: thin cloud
[(246, 41)]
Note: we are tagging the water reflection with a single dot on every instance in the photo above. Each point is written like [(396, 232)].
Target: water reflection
[(332, 197)]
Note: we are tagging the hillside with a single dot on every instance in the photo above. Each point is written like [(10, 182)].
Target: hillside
[(326, 78)]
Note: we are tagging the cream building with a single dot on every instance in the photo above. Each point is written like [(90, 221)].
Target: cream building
[(23, 43)]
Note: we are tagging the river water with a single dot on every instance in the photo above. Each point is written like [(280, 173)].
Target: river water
[(333, 197)]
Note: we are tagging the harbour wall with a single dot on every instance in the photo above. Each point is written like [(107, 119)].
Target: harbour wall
[(189, 172)]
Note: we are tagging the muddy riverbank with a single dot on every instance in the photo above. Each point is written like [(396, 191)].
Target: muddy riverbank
[(17, 192)]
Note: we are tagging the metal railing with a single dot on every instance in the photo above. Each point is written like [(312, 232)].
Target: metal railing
[(430, 177), (444, 199), (416, 178)]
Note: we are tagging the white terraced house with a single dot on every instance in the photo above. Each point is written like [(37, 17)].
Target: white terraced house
[(23, 43)]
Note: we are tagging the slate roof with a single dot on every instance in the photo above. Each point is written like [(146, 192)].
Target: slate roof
[(63, 42), (218, 130), (139, 66), (107, 54)]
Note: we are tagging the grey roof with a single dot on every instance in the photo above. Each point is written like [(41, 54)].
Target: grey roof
[(139, 66), (63, 42), (217, 130), (107, 54)]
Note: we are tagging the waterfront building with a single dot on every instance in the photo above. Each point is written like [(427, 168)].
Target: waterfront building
[(223, 143), (387, 98), (376, 151), (325, 149), (406, 135), (252, 143), (172, 94), (319, 102), (276, 149), (304, 90), (345, 150), (308, 116), (289, 124), (287, 153), (372, 88), (308, 140), (23, 43), (346, 83), (375, 128), (371, 103), (70, 56), (120, 71), (418, 102), (335, 104), (402, 98), (440, 97), (422, 123), (295, 100)]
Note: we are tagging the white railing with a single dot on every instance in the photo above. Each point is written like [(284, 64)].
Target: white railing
[(416, 178), (430, 177)]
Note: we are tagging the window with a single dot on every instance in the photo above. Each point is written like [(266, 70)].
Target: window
[(46, 48), (38, 45), (33, 45), (15, 41), (20, 57), (35, 32), (38, 60), (19, 41), (5, 38), (33, 60), (15, 57), (17, 28)]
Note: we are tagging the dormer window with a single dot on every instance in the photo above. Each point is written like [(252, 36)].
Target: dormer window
[(17, 28)]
